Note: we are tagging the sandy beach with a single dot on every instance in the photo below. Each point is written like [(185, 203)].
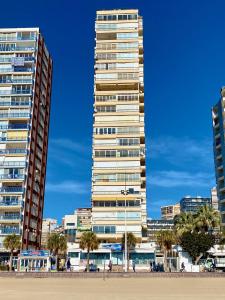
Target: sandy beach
[(112, 288)]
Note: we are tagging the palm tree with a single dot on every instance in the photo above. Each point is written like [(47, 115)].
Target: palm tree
[(131, 243), (90, 242), (12, 243), (207, 218), (57, 244), (165, 239), (184, 222)]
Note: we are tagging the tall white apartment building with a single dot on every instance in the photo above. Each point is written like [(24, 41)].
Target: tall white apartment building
[(118, 133), (25, 91)]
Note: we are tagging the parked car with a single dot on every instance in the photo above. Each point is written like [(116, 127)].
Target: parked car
[(92, 268)]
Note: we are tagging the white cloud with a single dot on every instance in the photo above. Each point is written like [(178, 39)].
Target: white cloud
[(68, 152), (171, 179), (68, 187), (183, 150)]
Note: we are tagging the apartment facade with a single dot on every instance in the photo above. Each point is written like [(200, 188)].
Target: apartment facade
[(168, 212), (118, 173), (155, 226), (219, 151), (193, 204), (25, 91)]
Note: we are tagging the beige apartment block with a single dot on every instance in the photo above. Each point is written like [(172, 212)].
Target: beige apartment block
[(170, 211), (118, 130)]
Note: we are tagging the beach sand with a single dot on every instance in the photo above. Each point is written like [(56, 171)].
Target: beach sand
[(112, 288)]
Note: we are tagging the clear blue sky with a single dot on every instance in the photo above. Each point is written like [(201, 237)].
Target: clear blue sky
[(184, 48)]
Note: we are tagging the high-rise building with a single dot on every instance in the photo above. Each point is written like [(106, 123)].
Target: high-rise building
[(193, 204), (219, 151), (25, 91), (168, 212), (118, 136)]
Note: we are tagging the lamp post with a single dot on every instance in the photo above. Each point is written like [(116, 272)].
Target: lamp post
[(125, 192)]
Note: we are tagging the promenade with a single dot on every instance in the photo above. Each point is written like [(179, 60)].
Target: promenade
[(132, 287)]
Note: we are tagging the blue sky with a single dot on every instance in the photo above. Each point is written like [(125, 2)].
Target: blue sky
[(184, 51)]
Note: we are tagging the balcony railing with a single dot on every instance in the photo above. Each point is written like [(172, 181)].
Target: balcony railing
[(12, 176), (15, 92), (5, 48), (16, 69), (13, 164), (9, 230), (11, 203), (13, 189), (14, 126), (13, 151), (16, 81), (13, 139), (15, 103), (9, 217), (14, 115), (10, 59)]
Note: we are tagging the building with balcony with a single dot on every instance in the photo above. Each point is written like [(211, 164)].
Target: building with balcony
[(218, 113), (193, 204), (25, 91), (118, 173), (168, 212), (154, 226)]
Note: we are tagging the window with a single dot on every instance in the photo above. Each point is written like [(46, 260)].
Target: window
[(129, 142), (131, 35), (108, 108), (105, 153), (105, 130), (70, 224), (73, 254)]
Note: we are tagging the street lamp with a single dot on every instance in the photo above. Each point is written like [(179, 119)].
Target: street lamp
[(125, 192)]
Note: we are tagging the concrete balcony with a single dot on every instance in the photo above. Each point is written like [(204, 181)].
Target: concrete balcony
[(11, 190), (15, 116), (10, 204), (9, 230), (12, 164), (12, 177)]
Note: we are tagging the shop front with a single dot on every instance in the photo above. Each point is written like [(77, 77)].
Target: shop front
[(34, 261)]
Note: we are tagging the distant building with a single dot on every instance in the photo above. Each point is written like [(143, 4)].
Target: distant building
[(48, 226), (214, 198), (70, 227), (170, 211), (73, 225), (154, 226), (192, 204)]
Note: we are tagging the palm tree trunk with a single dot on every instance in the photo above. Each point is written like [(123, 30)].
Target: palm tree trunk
[(197, 259), (10, 261), (88, 258)]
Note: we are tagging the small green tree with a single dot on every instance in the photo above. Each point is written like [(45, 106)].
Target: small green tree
[(90, 242), (12, 243), (196, 244), (165, 239), (57, 244), (131, 243)]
